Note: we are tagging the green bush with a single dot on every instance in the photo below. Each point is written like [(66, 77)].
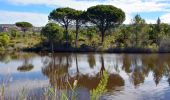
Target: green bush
[(165, 45), (52, 32), (153, 47), (14, 33), (4, 39)]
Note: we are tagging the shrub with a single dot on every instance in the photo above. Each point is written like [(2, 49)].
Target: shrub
[(165, 45), (4, 39)]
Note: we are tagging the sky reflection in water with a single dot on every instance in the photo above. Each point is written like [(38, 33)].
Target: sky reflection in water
[(132, 76)]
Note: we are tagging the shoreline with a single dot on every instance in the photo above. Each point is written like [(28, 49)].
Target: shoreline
[(114, 50)]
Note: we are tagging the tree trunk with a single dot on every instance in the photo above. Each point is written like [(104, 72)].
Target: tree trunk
[(66, 36), (52, 47), (136, 40), (102, 36), (77, 30)]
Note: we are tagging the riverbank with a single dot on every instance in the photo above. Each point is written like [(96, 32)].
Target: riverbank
[(85, 50), (97, 50), (36, 43)]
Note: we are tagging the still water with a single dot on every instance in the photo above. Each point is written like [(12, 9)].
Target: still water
[(131, 76)]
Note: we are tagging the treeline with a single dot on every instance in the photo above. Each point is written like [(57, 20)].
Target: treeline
[(99, 28), (139, 34), (102, 17), (105, 21)]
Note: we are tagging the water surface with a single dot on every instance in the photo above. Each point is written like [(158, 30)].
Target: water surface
[(131, 76)]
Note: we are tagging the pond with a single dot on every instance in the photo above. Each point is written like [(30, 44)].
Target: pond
[(130, 76)]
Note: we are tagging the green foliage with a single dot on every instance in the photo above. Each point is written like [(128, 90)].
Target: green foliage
[(14, 33), (4, 39), (64, 17), (50, 92), (138, 20), (2, 92), (165, 45), (85, 28), (107, 13), (153, 47), (61, 15), (91, 32), (109, 42), (71, 36), (105, 17), (24, 25), (53, 32), (101, 88), (140, 32), (123, 36), (79, 18)]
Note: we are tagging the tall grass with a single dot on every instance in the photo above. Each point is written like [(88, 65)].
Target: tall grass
[(4, 86), (23, 94), (2, 92), (51, 93), (101, 88)]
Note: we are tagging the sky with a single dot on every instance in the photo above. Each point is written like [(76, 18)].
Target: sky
[(37, 11)]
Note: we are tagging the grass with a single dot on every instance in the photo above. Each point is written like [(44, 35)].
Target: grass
[(2, 92), (51, 93), (101, 88), (26, 42), (23, 94), (85, 44), (20, 43)]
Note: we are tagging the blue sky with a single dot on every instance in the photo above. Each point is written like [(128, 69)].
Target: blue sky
[(36, 11)]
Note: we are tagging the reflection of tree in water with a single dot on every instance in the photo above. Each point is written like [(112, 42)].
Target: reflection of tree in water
[(102, 64), (158, 64), (27, 64), (92, 82), (25, 57), (77, 66), (57, 69), (6, 57), (91, 60), (58, 75), (138, 75), (25, 68), (126, 63)]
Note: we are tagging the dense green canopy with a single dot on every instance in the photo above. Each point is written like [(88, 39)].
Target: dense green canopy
[(53, 33), (63, 16), (24, 25), (79, 18), (105, 17)]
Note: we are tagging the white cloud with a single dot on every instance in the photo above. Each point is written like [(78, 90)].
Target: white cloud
[(165, 18), (10, 17), (128, 19), (150, 21), (129, 6)]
